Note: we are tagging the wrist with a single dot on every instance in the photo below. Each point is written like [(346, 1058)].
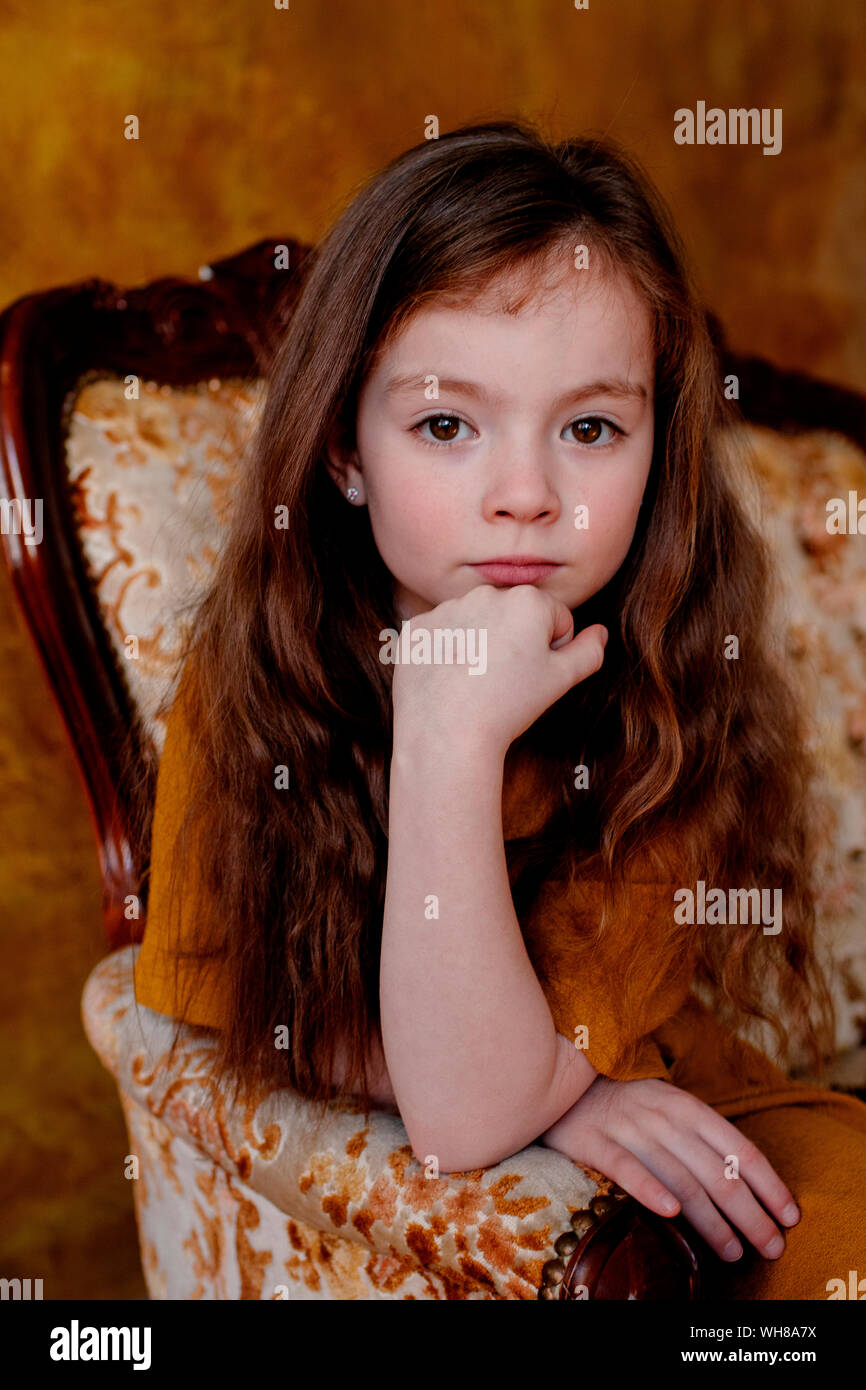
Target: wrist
[(438, 742), (557, 1135)]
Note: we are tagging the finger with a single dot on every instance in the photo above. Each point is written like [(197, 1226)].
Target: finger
[(697, 1207), (598, 630), (726, 1186), (583, 656), (563, 625), (625, 1169), (585, 651), (761, 1176)]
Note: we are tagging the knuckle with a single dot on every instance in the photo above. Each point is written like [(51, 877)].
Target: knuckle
[(689, 1189), (748, 1151), (721, 1188), (527, 595), (654, 1086), (667, 1107), (715, 1228), (710, 1224), (727, 1184), (761, 1231), (691, 1106)]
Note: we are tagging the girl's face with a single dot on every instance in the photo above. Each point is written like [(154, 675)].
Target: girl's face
[(539, 416)]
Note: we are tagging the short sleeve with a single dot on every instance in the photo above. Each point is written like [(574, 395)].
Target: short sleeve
[(584, 979), (194, 990)]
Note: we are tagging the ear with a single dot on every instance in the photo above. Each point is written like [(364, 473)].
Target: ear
[(341, 460)]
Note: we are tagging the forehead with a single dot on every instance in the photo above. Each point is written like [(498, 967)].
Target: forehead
[(534, 327), (553, 310)]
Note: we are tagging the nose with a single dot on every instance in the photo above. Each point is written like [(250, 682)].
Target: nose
[(521, 490)]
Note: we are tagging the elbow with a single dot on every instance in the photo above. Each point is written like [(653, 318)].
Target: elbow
[(437, 1162), (434, 1156), (465, 1135), (441, 1155), (442, 1144)]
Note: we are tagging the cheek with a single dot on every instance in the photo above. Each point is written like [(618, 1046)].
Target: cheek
[(613, 519), (417, 516)]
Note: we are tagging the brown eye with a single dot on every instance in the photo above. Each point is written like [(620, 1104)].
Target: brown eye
[(448, 424), (445, 431), (587, 431)]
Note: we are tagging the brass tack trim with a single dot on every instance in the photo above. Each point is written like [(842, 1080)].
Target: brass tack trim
[(566, 1244), (600, 1206), (581, 1222), (553, 1271)]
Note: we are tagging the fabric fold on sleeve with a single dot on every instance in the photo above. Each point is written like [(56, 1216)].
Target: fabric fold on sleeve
[(583, 979)]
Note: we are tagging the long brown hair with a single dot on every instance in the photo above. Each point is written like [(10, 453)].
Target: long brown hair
[(686, 747)]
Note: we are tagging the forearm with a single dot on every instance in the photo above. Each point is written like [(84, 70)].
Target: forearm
[(477, 1067)]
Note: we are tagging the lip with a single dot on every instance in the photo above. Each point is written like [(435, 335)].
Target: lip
[(516, 569)]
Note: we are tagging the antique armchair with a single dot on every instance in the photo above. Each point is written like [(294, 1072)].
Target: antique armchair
[(125, 414)]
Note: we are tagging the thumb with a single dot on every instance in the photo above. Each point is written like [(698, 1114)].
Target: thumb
[(584, 653), (562, 630)]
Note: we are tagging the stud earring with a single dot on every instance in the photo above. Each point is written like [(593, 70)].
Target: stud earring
[(351, 493)]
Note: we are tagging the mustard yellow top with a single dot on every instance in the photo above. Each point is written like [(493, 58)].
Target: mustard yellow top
[(161, 982), (679, 1037)]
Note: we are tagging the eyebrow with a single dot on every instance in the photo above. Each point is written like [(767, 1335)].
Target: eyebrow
[(610, 386)]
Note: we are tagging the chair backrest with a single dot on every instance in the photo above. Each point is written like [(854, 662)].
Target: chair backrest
[(124, 415)]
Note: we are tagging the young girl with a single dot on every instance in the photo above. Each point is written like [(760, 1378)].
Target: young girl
[(494, 421)]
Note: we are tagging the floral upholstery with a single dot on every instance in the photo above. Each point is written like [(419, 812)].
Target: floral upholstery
[(820, 619), (243, 1204), (246, 1205), (151, 482)]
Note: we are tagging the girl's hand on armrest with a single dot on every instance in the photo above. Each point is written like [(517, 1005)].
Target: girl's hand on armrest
[(668, 1149)]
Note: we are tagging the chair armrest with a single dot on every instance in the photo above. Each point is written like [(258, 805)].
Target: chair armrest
[(489, 1231)]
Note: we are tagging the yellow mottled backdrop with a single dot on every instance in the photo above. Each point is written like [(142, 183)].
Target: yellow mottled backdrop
[(257, 122)]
